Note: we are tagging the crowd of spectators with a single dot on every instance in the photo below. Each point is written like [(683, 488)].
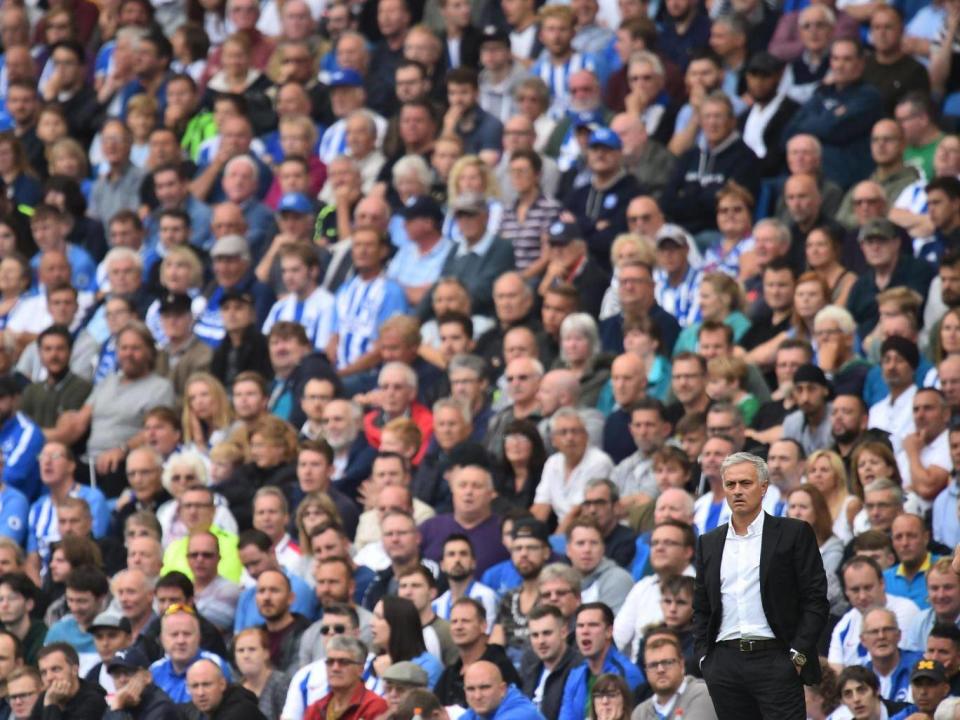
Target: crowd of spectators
[(378, 360)]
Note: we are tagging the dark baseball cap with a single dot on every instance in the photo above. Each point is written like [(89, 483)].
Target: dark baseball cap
[(175, 304), (562, 233), (929, 669), (8, 386), (878, 228), (236, 296), (812, 374), (423, 206), (129, 659), (109, 620), (530, 528), (491, 33)]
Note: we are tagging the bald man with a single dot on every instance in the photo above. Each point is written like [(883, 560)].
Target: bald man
[(209, 691), (628, 379), (561, 389), (490, 698)]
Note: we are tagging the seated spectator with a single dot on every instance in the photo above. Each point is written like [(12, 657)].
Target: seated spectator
[(63, 687), (214, 596), (208, 690), (180, 636), (87, 593)]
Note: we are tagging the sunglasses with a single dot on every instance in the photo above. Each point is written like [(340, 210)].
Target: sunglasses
[(335, 629)]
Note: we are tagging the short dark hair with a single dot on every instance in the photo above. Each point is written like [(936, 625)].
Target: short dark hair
[(87, 578), (73, 46), (463, 76), (541, 611), (608, 616), (459, 537), (947, 184), (56, 331), (17, 645), (176, 214), (176, 579), (860, 561), (689, 539), (531, 156), (254, 537), (858, 674), (475, 604), (946, 631), (319, 446), (343, 610), (20, 584), (460, 319), (60, 647), (649, 403), (780, 264), (715, 326)]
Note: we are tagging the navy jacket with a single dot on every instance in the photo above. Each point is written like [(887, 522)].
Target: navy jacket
[(605, 208)]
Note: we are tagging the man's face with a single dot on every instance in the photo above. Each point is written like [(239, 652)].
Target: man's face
[(269, 516), (556, 35), (484, 690), (206, 686), (846, 418), (255, 561), (457, 562), (528, 555), (677, 609), (316, 394), (203, 555), (810, 397), (13, 606), (397, 394), (55, 667), (592, 633), (665, 668), (133, 595), (636, 288), (598, 504), (559, 594), (880, 252), (863, 588), (466, 626), (401, 540), (196, 509), (880, 634), (668, 553), (896, 370), (943, 593), (886, 143), (585, 549), (84, 605), (110, 640), (647, 430), (802, 198), (73, 522), (945, 652), (461, 96), (417, 590), (343, 671), (860, 700), (845, 65), (928, 693), (743, 489), (910, 539), (248, 400), (569, 437), (55, 354), (930, 416), (717, 122), (273, 595), (180, 637), (548, 638), (688, 380), (882, 508), (713, 344), (338, 427), (472, 491), (778, 289)]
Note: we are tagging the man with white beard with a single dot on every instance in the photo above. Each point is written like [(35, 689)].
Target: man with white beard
[(353, 457)]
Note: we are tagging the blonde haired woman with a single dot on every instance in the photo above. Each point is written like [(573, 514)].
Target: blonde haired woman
[(721, 298), (628, 247), (473, 175), (207, 415), (181, 273), (826, 472)]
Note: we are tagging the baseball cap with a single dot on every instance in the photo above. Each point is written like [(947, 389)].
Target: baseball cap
[(562, 233), (295, 203), (764, 63), (530, 528), (929, 669), (670, 233), (423, 206), (406, 673), (812, 374), (236, 296), (345, 78), (605, 137), (131, 658), (469, 203), (175, 304), (878, 228), (491, 33), (108, 619), (230, 246)]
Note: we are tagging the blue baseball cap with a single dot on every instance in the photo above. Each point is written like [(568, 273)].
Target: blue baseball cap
[(605, 137), (345, 78), (295, 203), (423, 206)]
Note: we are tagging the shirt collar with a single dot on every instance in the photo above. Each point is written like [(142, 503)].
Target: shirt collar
[(480, 248), (922, 569), (754, 529)]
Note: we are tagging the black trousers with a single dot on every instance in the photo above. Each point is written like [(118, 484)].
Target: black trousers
[(762, 685)]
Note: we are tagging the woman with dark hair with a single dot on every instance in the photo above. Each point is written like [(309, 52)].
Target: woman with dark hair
[(398, 636), (610, 698), (20, 180), (65, 193), (523, 454), (807, 503), (824, 247)]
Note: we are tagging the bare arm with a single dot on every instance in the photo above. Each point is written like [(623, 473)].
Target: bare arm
[(541, 511), (73, 424), (927, 482), (941, 56)]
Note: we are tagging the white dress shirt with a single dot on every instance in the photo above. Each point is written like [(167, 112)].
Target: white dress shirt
[(896, 417), (743, 615), (641, 608)]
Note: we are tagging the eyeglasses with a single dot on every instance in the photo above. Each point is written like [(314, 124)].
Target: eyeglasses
[(342, 662), (556, 593), (736, 209), (195, 506), (20, 697), (661, 664), (665, 543), (607, 695), (335, 629), (518, 378), (814, 25), (180, 608), (200, 555)]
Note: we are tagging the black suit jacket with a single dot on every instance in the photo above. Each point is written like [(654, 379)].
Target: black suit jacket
[(793, 588), (775, 160)]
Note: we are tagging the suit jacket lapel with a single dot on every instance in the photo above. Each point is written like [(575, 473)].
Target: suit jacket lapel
[(715, 570), (768, 542)]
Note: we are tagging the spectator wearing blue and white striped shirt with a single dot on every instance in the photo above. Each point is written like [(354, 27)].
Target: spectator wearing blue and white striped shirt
[(559, 60), (305, 302)]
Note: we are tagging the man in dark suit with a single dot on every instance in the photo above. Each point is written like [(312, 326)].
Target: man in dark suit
[(763, 125), (760, 603)]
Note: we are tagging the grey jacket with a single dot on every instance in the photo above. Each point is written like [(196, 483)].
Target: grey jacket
[(609, 583), (694, 702)]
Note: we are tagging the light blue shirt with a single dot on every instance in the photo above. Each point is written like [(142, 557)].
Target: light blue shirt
[(411, 268)]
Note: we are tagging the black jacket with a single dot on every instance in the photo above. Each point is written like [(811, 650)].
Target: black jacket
[(530, 669), (793, 589), (602, 214), (238, 703), (155, 704), (252, 354), (314, 365), (449, 689), (774, 161), (87, 704), (690, 198)]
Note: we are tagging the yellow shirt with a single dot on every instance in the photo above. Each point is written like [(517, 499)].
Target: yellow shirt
[(230, 567)]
